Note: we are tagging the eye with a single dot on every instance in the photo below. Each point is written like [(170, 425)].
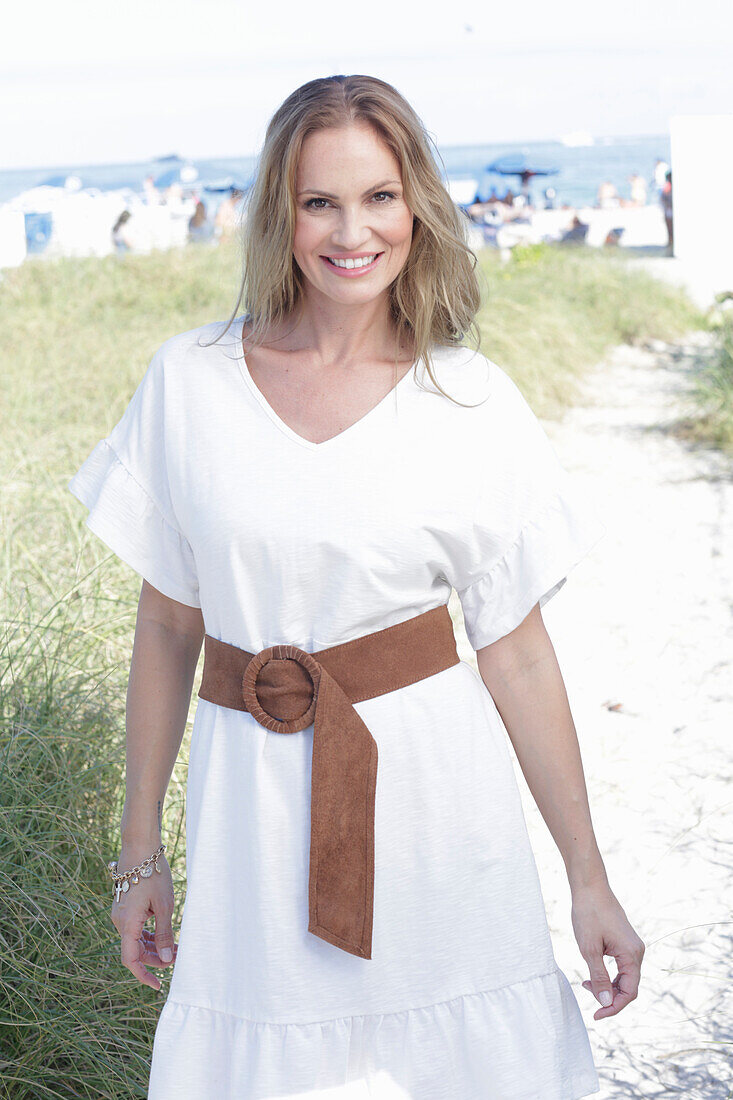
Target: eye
[(309, 204), (388, 195)]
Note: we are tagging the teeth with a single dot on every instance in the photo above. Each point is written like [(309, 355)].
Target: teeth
[(363, 262)]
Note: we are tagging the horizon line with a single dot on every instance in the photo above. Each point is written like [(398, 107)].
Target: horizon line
[(253, 156)]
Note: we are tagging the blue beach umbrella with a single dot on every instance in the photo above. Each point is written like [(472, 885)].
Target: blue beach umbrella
[(516, 164), (488, 182), (229, 183)]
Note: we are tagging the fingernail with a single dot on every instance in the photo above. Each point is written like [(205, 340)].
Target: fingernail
[(166, 954), (605, 998)]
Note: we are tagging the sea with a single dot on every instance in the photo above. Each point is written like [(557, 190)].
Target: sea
[(575, 170)]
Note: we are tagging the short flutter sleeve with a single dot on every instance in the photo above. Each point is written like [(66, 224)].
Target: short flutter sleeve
[(530, 521), (125, 485)]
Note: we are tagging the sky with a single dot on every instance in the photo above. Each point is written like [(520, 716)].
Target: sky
[(90, 83)]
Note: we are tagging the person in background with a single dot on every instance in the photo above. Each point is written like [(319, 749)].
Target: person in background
[(120, 236), (150, 191), (525, 190), (660, 176), (607, 195), (576, 234), (666, 202), (227, 216), (174, 198), (550, 195), (200, 227), (638, 189)]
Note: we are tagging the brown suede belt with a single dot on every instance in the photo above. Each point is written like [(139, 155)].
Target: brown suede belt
[(286, 689)]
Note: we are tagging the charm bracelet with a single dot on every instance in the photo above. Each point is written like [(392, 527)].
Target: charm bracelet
[(144, 869)]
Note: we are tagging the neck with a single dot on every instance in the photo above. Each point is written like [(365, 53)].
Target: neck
[(344, 334)]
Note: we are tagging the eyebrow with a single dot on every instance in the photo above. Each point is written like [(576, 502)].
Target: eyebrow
[(328, 195)]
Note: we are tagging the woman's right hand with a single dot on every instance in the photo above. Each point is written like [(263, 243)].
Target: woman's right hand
[(149, 897)]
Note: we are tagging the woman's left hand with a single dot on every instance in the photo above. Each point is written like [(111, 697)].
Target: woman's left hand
[(601, 928)]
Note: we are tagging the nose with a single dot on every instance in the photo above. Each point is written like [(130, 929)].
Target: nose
[(352, 231)]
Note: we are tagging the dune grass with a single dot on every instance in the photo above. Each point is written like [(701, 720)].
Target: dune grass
[(712, 389), (75, 337), (552, 311)]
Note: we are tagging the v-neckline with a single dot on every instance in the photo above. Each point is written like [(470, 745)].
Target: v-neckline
[(280, 423)]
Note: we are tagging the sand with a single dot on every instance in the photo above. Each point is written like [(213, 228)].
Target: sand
[(642, 630)]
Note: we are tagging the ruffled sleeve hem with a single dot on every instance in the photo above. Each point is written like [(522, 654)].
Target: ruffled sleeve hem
[(532, 570), (126, 518)]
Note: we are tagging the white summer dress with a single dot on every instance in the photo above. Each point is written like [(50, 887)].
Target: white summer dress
[(204, 491)]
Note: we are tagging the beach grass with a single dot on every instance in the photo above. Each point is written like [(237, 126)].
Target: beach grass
[(552, 311), (75, 337), (712, 390)]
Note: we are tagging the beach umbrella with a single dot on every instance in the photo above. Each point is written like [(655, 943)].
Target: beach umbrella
[(516, 164), (488, 182), (228, 183)]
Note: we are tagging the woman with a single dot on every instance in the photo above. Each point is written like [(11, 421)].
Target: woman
[(290, 484)]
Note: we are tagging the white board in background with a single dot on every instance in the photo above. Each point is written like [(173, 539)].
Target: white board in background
[(702, 171)]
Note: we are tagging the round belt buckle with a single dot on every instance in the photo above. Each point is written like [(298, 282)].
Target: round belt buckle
[(249, 685)]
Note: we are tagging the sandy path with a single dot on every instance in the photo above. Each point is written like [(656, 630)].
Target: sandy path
[(644, 625)]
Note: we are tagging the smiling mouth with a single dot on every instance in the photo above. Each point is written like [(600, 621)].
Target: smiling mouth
[(353, 265)]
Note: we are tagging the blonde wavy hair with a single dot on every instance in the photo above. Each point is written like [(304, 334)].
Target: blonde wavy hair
[(435, 297)]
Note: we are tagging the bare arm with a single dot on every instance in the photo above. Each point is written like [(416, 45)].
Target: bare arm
[(522, 673), (168, 639)]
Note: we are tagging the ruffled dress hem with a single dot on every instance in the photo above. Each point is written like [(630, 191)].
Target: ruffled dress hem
[(470, 1046)]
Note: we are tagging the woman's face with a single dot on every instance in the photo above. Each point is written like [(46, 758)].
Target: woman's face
[(350, 207)]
